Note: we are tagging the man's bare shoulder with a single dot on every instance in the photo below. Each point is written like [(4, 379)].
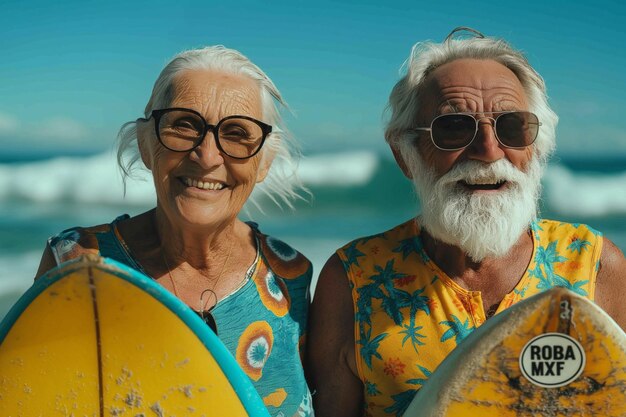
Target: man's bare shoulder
[(611, 282), (331, 365)]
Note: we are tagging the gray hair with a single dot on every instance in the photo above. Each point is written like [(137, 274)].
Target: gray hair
[(405, 99), (281, 183)]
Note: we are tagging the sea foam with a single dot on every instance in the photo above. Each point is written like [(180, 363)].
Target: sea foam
[(584, 194), (96, 180), (88, 180)]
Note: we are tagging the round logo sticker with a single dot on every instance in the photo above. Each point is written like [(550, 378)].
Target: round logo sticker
[(552, 360)]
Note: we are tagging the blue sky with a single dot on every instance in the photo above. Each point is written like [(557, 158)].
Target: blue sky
[(72, 72)]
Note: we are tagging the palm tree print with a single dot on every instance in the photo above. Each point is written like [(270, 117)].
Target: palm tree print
[(420, 381), (534, 226), (366, 294), (392, 299), (546, 257), (577, 225), (352, 253), (559, 281), (409, 246), (544, 281), (391, 305), (521, 292), (414, 300), (401, 402), (412, 332), (457, 330), (384, 280), (369, 347), (578, 245), (386, 276), (371, 388)]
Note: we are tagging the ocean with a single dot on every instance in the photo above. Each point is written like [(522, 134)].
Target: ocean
[(352, 194)]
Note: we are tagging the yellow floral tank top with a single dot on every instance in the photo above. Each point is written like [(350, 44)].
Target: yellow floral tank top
[(409, 315)]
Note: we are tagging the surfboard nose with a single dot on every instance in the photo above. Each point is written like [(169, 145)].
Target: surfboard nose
[(98, 338), (556, 353)]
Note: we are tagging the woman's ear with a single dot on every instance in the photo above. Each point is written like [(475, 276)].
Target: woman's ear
[(264, 165), (401, 163), (143, 142)]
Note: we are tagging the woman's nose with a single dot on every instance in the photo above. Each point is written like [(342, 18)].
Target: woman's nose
[(208, 153)]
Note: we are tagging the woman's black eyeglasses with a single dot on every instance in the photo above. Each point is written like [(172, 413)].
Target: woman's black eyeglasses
[(182, 130), (456, 131)]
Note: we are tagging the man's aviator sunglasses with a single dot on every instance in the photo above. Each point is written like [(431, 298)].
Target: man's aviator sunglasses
[(456, 131)]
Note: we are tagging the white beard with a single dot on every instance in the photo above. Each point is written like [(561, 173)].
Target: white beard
[(481, 224)]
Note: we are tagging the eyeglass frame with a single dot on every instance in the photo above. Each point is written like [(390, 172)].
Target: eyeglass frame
[(157, 114), (477, 120)]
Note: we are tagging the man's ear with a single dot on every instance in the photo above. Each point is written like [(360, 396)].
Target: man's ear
[(400, 160), (265, 164), (143, 135)]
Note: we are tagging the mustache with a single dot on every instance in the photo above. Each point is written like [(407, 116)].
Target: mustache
[(476, 171)]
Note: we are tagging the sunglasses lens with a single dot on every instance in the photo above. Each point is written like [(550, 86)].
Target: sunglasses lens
[(517, 129), (453, 131)]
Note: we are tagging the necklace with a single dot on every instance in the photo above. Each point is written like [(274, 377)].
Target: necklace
[(202, 304)]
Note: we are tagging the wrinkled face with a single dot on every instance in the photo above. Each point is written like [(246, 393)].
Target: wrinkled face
[(204, 186), (483, 197), (475, 86)]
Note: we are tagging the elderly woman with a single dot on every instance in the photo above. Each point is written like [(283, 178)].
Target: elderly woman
[(210, 133)]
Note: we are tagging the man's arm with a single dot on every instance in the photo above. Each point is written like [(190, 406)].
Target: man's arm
[(331, 364), (611, 283)]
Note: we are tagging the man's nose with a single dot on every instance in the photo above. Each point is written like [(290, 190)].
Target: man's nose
[(486, 146)]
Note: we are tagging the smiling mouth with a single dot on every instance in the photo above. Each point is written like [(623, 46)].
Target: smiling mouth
[(202, 185), (483, 186)]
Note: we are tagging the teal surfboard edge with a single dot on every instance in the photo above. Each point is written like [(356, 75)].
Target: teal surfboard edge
[(240, 382)]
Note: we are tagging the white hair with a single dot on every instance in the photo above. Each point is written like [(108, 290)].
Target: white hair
[(281, 183), (406, 98), (481, 225)]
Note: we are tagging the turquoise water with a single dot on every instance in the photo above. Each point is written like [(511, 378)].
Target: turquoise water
[(352, 195)]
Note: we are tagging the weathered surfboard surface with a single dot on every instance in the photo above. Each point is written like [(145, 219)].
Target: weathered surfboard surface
[(483, 375), (94, 338)]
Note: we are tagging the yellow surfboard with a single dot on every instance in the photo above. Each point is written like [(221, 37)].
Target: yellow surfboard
[(556, 354), (95, 338)]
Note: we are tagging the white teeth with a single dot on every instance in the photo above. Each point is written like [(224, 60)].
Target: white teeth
[(203, 185), (482, 182)]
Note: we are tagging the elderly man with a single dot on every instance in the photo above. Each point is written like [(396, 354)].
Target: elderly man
[(471, 127)]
